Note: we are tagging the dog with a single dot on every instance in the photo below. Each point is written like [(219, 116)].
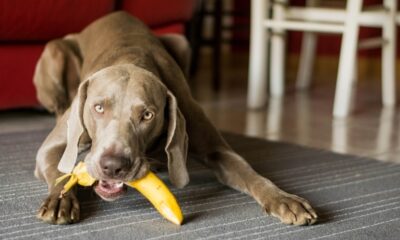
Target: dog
[(120, 95)]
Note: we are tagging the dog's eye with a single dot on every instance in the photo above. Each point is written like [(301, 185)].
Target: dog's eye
[(148, 115), (99, 108)]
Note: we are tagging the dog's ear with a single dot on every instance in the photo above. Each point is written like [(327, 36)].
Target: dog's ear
[(179, 48), (57, 74), (177, 143), (75, 129)]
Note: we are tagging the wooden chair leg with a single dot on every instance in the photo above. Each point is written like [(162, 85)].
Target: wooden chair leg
[(348, 54), (306, 62), (353, 91), (274, 118), (257, 86), (307, 55), (389, 55), (278, 53), (340, 135)]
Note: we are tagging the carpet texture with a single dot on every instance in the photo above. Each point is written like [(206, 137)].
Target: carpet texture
[(356, 198)]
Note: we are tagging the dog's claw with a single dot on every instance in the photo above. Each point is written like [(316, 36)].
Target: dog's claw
[(58, 209)]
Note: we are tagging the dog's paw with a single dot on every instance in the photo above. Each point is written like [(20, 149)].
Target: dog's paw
[(290, 209), (60, 210)]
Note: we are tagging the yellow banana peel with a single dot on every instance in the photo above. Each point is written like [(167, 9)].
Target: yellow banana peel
[(150, 186), (78, 176)]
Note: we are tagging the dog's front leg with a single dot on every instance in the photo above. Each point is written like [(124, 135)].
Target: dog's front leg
[(55, 209), (232, 170)]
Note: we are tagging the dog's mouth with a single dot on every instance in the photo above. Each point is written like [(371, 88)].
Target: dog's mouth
[(110, 190)]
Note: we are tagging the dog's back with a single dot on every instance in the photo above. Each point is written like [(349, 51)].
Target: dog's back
[(119, 36)]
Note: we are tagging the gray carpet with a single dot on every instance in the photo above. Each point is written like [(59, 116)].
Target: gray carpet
[(356, 198)]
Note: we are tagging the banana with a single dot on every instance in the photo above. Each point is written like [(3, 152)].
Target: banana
[(159, 195), (150, 186)]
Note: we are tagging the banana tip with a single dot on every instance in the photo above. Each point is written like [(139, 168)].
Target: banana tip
[(173, 216), (176, 221)]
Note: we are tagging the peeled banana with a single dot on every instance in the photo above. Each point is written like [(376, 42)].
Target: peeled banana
[(159, 195), (150, 186)]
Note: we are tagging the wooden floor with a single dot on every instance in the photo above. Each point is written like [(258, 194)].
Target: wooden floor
[(304, 118), (300, 117)]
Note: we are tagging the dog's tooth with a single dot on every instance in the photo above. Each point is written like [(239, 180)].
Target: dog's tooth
[(120, 184)]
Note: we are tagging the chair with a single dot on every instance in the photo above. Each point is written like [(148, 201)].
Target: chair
[(270, 20)]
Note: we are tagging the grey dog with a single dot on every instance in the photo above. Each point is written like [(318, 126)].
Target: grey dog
[(120, 93)]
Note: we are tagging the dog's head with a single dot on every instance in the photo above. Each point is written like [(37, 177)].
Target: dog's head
[(125, 110)]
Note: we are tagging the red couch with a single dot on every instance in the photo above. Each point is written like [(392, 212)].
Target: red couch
[(26, 25)]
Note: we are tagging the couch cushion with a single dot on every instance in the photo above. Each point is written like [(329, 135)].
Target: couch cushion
[(44, 19), (170, 28), (17, 64), (160, 12)]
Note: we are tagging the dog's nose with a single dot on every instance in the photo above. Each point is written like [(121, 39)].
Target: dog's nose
[(114, 167)]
